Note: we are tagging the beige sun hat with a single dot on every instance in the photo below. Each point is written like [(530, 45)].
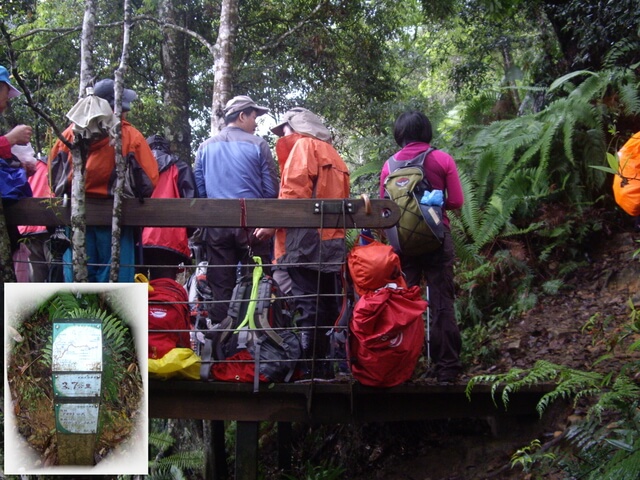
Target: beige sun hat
[(303, 121), (241, 102)]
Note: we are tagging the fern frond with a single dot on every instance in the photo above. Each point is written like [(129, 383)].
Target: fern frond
[(369, 168), (192, 460), (630, 98), (623, 391), (161, 440), (62, 304)]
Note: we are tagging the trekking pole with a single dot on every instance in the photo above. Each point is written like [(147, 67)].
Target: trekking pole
[(428, 330)]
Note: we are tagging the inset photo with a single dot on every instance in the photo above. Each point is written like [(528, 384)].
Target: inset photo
[(75, 379)]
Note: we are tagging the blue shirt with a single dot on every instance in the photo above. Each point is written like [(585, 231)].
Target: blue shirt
[(235, 164)]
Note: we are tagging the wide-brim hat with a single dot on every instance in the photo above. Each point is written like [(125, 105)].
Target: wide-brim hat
[(239, 103), (303, 121), (4, 77), (106, 89)]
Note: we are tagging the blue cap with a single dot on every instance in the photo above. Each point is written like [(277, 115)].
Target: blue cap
[(4, 77)]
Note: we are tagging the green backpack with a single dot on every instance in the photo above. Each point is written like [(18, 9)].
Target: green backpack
[(420, 229)]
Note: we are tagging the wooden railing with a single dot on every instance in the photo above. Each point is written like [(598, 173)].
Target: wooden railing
[(326, 402), (251, 213)]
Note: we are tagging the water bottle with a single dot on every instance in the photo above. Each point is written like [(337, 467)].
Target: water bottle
[(434, 198), (366, 235)]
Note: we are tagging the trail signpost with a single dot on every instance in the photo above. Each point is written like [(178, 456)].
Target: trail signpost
[(77, 385)]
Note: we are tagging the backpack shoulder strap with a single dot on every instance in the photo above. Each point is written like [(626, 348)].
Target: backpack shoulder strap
[(414, 162)]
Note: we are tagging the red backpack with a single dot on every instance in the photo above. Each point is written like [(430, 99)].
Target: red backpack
[(172, 238), (168, 310), (387, 336), (373, 266)]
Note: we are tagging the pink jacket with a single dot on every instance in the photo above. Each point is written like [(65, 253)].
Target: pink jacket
[(440, 170), (39, 182)]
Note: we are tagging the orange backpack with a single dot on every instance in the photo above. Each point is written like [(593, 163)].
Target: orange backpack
[(626, 185)]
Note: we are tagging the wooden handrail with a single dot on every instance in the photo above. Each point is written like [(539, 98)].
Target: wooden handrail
[(251, 213)]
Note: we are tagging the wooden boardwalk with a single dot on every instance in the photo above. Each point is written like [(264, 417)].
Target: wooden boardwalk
[(311, 402), (332, 402), (324, 402)]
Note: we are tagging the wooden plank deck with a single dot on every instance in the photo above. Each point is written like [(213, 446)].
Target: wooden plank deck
[(332, 402)]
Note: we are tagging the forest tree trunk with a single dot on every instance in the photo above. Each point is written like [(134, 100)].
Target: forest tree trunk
[(175, 68), (222, 63)]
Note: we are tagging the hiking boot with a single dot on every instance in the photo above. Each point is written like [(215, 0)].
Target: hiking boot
[(448, 377)]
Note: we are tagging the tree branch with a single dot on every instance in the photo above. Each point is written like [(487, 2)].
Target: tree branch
[(301, 23), (25, 90)]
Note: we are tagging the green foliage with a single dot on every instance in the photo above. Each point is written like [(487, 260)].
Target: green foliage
[(501, 287), (606, 444), (481, 346), (610, 451), (529, 455), (168, 464)]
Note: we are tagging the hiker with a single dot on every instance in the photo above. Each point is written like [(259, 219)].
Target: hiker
[(100, 183), (165, 248), (36, 237), (13, 177), (413, 133), (18, 135), (311, 168), (235, 163)]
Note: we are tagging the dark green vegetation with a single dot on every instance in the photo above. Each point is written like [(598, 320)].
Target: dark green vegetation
[(526, 96)]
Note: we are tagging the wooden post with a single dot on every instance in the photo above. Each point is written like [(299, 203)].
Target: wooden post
[(247, 450), (77, 382), (215, 453), (285, 442)]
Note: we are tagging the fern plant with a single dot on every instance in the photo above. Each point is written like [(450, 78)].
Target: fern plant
[(511, 166), (173, 466), (605, 451), (606, 445)]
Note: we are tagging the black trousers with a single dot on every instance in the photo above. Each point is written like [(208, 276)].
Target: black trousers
[(226, 248), (436, 269), (316, 300)]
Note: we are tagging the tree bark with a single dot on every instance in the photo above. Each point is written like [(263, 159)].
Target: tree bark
[(7, 272), (175, 68), (222, 63), (86, 47), (114, 271), (79, 153), (78, 211)]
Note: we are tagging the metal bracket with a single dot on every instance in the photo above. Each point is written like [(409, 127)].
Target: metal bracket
[(333, 206)]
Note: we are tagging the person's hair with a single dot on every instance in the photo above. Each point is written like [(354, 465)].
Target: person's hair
[(234, 116), (412, 127)]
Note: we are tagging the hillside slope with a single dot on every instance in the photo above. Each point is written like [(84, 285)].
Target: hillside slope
[(585, 321)]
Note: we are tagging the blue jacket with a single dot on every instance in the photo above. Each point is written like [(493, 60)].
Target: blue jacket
[(235, 164)]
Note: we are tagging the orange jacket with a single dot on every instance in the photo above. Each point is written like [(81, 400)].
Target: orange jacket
[(311, 168), (100, 173)]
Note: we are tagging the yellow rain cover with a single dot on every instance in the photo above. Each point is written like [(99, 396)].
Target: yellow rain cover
[(177, 363)]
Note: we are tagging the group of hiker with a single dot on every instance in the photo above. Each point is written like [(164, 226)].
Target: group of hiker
[(235, 164)]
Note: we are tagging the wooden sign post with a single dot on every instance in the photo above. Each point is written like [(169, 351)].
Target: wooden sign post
[(77, 383)]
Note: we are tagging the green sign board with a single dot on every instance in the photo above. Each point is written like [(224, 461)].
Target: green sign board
[(77, 417), (76, 366), (76, 384)]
